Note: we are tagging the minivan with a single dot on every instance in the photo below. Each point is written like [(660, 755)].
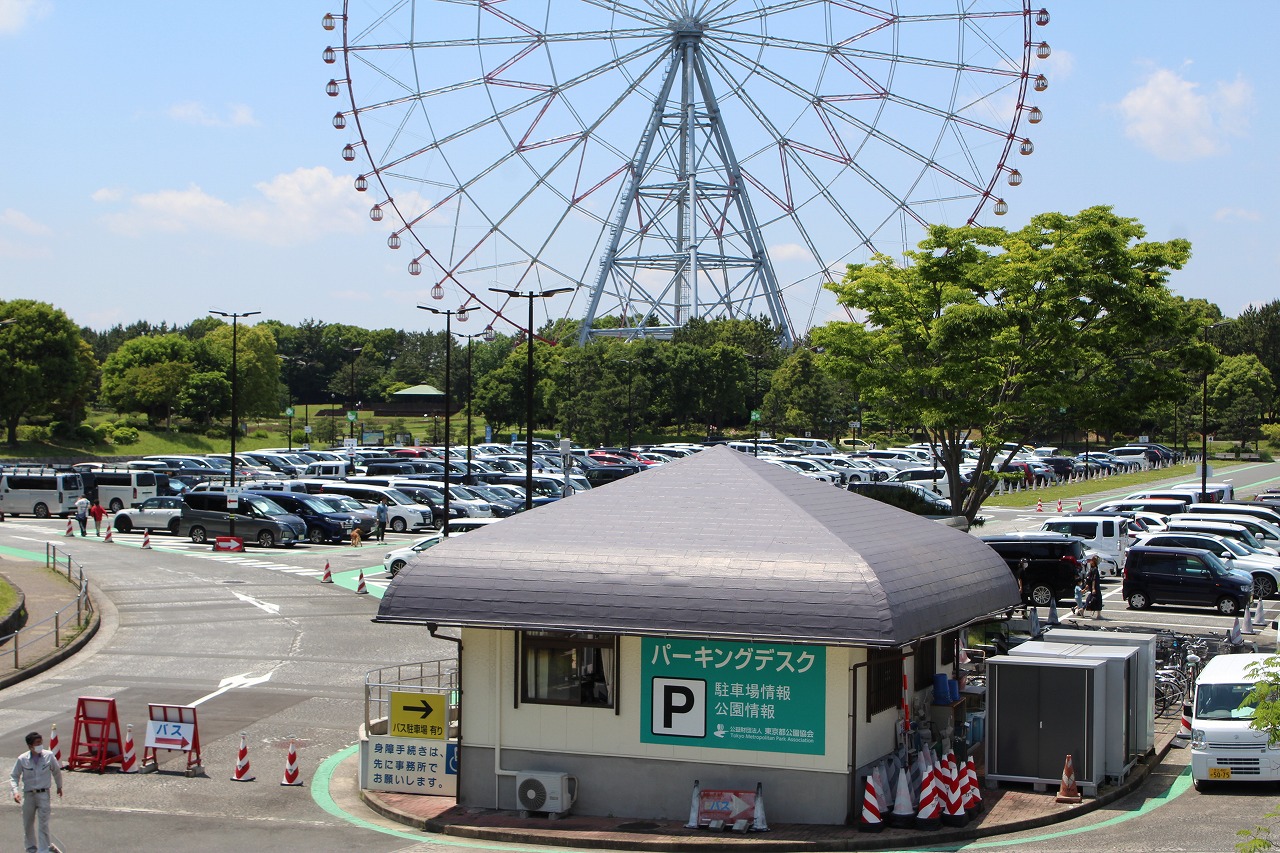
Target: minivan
[(1106, 534), (1225, 747), (121, 487), (1229, 529), (1054, 563), (815, 446), (324, 524), (1187, 576), (206, 515), (403, 514)]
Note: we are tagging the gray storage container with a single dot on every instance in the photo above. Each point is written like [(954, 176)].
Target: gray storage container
[(1039, 711), (1145, 732), (1124, 695)]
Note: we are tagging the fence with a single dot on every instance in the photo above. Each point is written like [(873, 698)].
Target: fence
[(434, 676), (33, 638)]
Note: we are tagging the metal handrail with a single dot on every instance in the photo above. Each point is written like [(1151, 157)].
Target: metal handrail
[(27, 635), (434, 676)]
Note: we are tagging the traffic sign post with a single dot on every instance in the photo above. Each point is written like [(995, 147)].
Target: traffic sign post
[(174, 728), (418, 715)]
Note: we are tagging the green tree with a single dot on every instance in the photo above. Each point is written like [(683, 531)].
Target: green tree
[(258, 386), (45, 364), (805, 394), (991, 331), (148, 374)]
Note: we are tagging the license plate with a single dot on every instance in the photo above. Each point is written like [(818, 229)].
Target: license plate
[(347, 525), (1219, 772)]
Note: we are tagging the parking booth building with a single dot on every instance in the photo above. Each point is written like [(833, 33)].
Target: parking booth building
[(717, 619)]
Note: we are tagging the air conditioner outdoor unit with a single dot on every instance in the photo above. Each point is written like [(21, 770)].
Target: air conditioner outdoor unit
[(545, 791)]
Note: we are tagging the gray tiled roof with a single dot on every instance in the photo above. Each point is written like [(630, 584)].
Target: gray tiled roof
[(716, 544)]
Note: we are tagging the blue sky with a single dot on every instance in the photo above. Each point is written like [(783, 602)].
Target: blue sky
[(164, 159)]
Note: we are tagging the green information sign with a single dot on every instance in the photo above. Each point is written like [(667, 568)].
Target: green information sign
[(288, 413), (351, 416), (757, 696), (755, 416)]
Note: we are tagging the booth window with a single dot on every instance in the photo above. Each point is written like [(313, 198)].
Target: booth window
[(926, 661), (568, 669), (884, 680), (949, 642)]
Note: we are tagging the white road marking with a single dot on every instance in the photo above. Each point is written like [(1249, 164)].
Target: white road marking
[(242, 680), (273, 609)]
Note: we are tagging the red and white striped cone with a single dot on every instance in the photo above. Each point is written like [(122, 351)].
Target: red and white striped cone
[(1039, 505), (870, 820), (242, 773), (53, 745), (1059, 504), (930, 814), (973, 795), (953, 813), (1068, 791), (1079, 506), (361, 589), (1185, 730), (291, 775), (328, 575), (903, 815), (69, 532), (128, 761), (146, 539), (107, 539)]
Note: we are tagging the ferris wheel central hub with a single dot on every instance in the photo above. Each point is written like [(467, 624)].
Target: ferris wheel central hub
[(688, 26)]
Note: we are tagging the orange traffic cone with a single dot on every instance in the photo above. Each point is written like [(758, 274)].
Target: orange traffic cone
[(1059, 504), (69, 532), (53, 745), (291, 775), (242, 773), (146, 539), (870, 821), (107, 539), (1067, 791), (128, 761), (328, 575), (361, 589), (1039, 505)]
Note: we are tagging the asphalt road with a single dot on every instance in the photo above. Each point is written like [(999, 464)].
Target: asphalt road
[(260, 646)]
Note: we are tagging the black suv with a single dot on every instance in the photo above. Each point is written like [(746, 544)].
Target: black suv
[(1184, 576), (1054, 563)]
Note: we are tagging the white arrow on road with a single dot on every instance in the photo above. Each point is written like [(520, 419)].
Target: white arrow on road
[(273, 609), (244, 679)]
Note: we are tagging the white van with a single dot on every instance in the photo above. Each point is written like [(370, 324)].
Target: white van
[(1224, 746), (1105, 535), (813, 446), (41, 492), (118, 488)]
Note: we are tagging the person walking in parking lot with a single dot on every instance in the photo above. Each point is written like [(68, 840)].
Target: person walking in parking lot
[(380, 517), (1093, 588), (82, 514), (97, 513), (34, 773)]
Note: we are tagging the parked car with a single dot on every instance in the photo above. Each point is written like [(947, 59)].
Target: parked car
[(158, 513), (396, 560), (206, 515), (1054, 563), (1186, 576), (1144, 456), (324, 523), (1105, 535), (1265, 570), (403, 514), (1238, 532)]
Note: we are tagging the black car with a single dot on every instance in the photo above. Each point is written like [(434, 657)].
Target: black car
[(1054, 563), (324, 524), (433, 498), (598, 473), (1189, 576)]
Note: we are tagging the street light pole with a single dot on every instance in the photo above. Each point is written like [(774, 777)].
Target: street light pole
[(1204, 419), (488, 335), (235, 382), (355, 352), (448, 402), (528, 382)]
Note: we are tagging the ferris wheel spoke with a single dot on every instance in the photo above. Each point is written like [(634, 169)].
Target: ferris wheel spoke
[(764, 11), (516, 40), (649, 16)]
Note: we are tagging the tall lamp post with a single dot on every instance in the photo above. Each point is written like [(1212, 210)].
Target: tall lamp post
[(488, 335), (528, 385), (461, 314), (355, 353), (235, 382), (1204, 419), (755, 402)]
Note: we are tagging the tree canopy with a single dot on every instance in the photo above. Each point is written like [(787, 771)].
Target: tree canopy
[(47, 367)]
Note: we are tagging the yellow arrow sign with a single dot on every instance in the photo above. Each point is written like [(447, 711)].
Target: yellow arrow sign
[(421, 715)]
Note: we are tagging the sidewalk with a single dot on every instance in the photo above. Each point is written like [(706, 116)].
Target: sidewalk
[(1006, 810), (46, 591)]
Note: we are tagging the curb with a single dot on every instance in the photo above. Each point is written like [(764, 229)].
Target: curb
[(55, 657), (618, 840)]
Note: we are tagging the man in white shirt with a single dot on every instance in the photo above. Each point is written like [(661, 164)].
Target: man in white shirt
[(82, 513), (34, 773)]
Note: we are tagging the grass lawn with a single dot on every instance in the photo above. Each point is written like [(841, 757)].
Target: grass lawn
[(1128, 482), (8, 597)]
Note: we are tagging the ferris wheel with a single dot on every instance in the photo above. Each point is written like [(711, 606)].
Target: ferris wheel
[(678, 159)]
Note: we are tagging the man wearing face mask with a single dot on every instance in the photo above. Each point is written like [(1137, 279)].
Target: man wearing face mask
[(34, 773)]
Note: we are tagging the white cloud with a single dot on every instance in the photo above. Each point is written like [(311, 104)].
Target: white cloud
[(16, 14), (1224, 214), (194, 112), (789, 252), (1170, 117), (293, 208), (16, 220), (107, 194), (1059, 66)]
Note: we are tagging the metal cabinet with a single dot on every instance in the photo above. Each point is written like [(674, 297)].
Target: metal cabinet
[(1144, 731), (1039, 711)]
